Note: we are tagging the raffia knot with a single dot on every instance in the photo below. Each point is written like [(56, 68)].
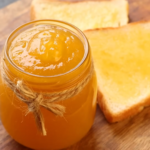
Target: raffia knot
[(34, 101), (34, 104)]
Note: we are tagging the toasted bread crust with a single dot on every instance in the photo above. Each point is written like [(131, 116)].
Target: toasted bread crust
[(119, 27), (70, 1), (132, 111)]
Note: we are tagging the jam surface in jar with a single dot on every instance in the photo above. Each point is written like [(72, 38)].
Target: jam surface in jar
[(48, 58), (47, 50)]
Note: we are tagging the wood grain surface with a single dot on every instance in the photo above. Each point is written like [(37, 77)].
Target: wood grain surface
[(130, 134)]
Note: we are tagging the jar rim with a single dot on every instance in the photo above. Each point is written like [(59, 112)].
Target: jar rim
[(50, 22)]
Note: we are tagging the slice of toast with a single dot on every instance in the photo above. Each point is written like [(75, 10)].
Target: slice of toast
[(87, 14), (122, 62)]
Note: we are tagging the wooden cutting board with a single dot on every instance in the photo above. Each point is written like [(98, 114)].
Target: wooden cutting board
[(130, 134)]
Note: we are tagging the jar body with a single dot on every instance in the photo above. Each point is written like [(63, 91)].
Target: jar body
[(61, 131)]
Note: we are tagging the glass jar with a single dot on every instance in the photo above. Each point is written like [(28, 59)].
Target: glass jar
[(62, 131)]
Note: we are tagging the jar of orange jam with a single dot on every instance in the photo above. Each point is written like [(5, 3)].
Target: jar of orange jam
[(48, 85)]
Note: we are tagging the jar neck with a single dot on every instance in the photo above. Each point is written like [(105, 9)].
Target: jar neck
[(48, 83)]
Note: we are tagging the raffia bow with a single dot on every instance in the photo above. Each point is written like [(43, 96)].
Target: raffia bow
[(35, 100)]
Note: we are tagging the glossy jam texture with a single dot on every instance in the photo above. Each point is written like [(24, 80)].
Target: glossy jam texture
[(46, 50)]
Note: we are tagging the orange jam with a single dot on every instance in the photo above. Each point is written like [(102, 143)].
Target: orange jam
[(47, 50), (49, 56)]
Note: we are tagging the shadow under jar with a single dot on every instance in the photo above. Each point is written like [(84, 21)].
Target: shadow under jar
[(48, 85)]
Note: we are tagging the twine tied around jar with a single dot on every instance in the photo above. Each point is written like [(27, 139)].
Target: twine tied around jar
[(35, 100)]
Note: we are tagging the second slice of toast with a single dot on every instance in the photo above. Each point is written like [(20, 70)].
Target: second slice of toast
[(122, 62), (85, 14)]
